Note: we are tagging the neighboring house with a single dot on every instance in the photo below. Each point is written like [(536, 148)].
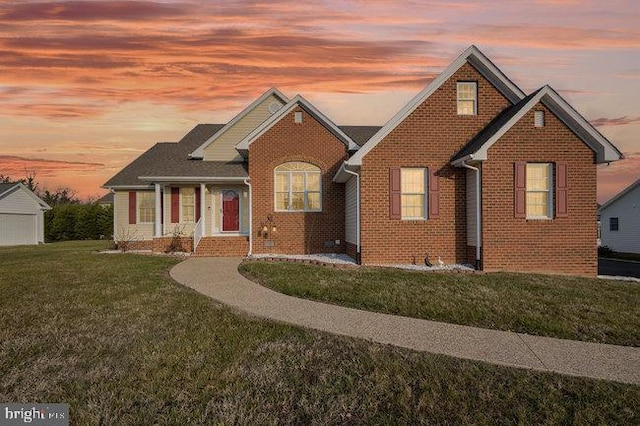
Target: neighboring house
[(471, 170), (620, 220), (21, 215), (106, 200)]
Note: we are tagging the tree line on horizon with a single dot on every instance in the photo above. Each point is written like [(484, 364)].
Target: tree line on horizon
[(69, 218)]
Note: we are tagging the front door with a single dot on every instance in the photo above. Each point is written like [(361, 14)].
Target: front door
[(230, 211)]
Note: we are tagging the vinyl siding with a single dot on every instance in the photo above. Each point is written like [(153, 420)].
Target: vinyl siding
[(351, 215), (223, 148), (18, 202), (123, 230), (627, 210)]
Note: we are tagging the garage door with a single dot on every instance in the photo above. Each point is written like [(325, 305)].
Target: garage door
[(16, 229)]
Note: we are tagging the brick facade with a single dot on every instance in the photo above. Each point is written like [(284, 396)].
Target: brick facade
[(297, 232), (562, 244), (428, 137), (162, 244), (223, 246)]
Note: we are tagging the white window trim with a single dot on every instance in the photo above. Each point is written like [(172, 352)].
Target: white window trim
[(475, 99), (550, 208), (425, 195), (139, 207), (304, 210), (194, 206)]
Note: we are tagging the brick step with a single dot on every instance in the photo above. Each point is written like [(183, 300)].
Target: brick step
[(223, 246)]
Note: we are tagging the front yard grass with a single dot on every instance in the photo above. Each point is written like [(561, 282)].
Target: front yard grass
[(593, 310), (117, 339)]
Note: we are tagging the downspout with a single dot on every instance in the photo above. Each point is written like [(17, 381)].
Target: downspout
[(246, 182), (357, 206), (478, 222)]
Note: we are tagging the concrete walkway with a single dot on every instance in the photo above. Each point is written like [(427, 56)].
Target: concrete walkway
[(219, 279)]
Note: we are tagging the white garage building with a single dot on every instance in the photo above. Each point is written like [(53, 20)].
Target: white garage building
[(620, 220), (21, 215)]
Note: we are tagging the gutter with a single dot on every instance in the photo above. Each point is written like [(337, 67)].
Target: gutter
[(246, 182), (357, 207), (478, 221)]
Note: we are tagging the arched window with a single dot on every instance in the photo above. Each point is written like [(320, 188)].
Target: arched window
[(297, 187)]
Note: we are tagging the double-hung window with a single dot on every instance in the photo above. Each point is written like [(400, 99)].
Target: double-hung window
[(539, 191), (413, 200), (467, 97), (297, 187), (188, 207), (146, 207)]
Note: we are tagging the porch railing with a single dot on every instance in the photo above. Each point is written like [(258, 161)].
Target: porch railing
[(198, 233)]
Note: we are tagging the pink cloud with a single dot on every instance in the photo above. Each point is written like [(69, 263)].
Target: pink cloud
[(618, 121)]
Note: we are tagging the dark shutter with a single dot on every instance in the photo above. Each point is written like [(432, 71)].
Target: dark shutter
[(132, 208), (562, 190), (434, 195), (175, 205), (197, 203), (395, 194), (520, 190)]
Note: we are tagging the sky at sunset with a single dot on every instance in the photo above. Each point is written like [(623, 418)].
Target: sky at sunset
[(87, 86)]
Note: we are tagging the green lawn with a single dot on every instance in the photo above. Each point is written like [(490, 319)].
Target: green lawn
[(117, 339), (566, 307)]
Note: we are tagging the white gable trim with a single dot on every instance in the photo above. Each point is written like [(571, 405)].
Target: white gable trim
[(472, 55), (30, 193), (604, 149), (198, 153), (243, 146), (619, 196)]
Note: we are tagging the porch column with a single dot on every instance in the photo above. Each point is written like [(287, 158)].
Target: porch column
[(203, 208), (158, 223)]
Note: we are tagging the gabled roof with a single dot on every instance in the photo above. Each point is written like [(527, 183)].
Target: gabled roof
[(106, 199), (360, 134), (243, 146), (476, 149), (199, 151), (170, 159), (619, 195), (7, 188), (473, 56)]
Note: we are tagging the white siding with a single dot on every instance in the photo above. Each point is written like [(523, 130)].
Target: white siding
[(627, 210), (351, 231), (18, 229), (21, 219), (223, 148), (471, 208), (18, 202)]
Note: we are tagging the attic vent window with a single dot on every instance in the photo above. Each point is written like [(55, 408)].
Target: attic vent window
[(467, 97), (297, 117), (274, 106), (538, 118)]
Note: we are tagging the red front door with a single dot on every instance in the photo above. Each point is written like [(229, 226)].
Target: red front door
[(230, 211)]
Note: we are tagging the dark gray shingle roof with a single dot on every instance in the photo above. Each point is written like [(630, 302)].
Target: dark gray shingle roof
[(360, 134), (106, 199), (172, 159), (6, 186), (492, 128)]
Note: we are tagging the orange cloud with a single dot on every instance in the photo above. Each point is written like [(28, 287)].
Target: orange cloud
[(619, 121)]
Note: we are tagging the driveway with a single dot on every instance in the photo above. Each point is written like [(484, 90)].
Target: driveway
[(623, 268)]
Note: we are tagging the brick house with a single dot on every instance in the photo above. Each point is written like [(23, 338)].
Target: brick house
[(471, 170)]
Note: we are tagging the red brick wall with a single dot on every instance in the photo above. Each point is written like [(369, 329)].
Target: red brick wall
[(135, 245), (223, 246), (297, 232), (429, 137), (161, 245), (562, 245)]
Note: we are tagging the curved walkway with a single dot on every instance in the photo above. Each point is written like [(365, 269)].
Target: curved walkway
[(219, 279)]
